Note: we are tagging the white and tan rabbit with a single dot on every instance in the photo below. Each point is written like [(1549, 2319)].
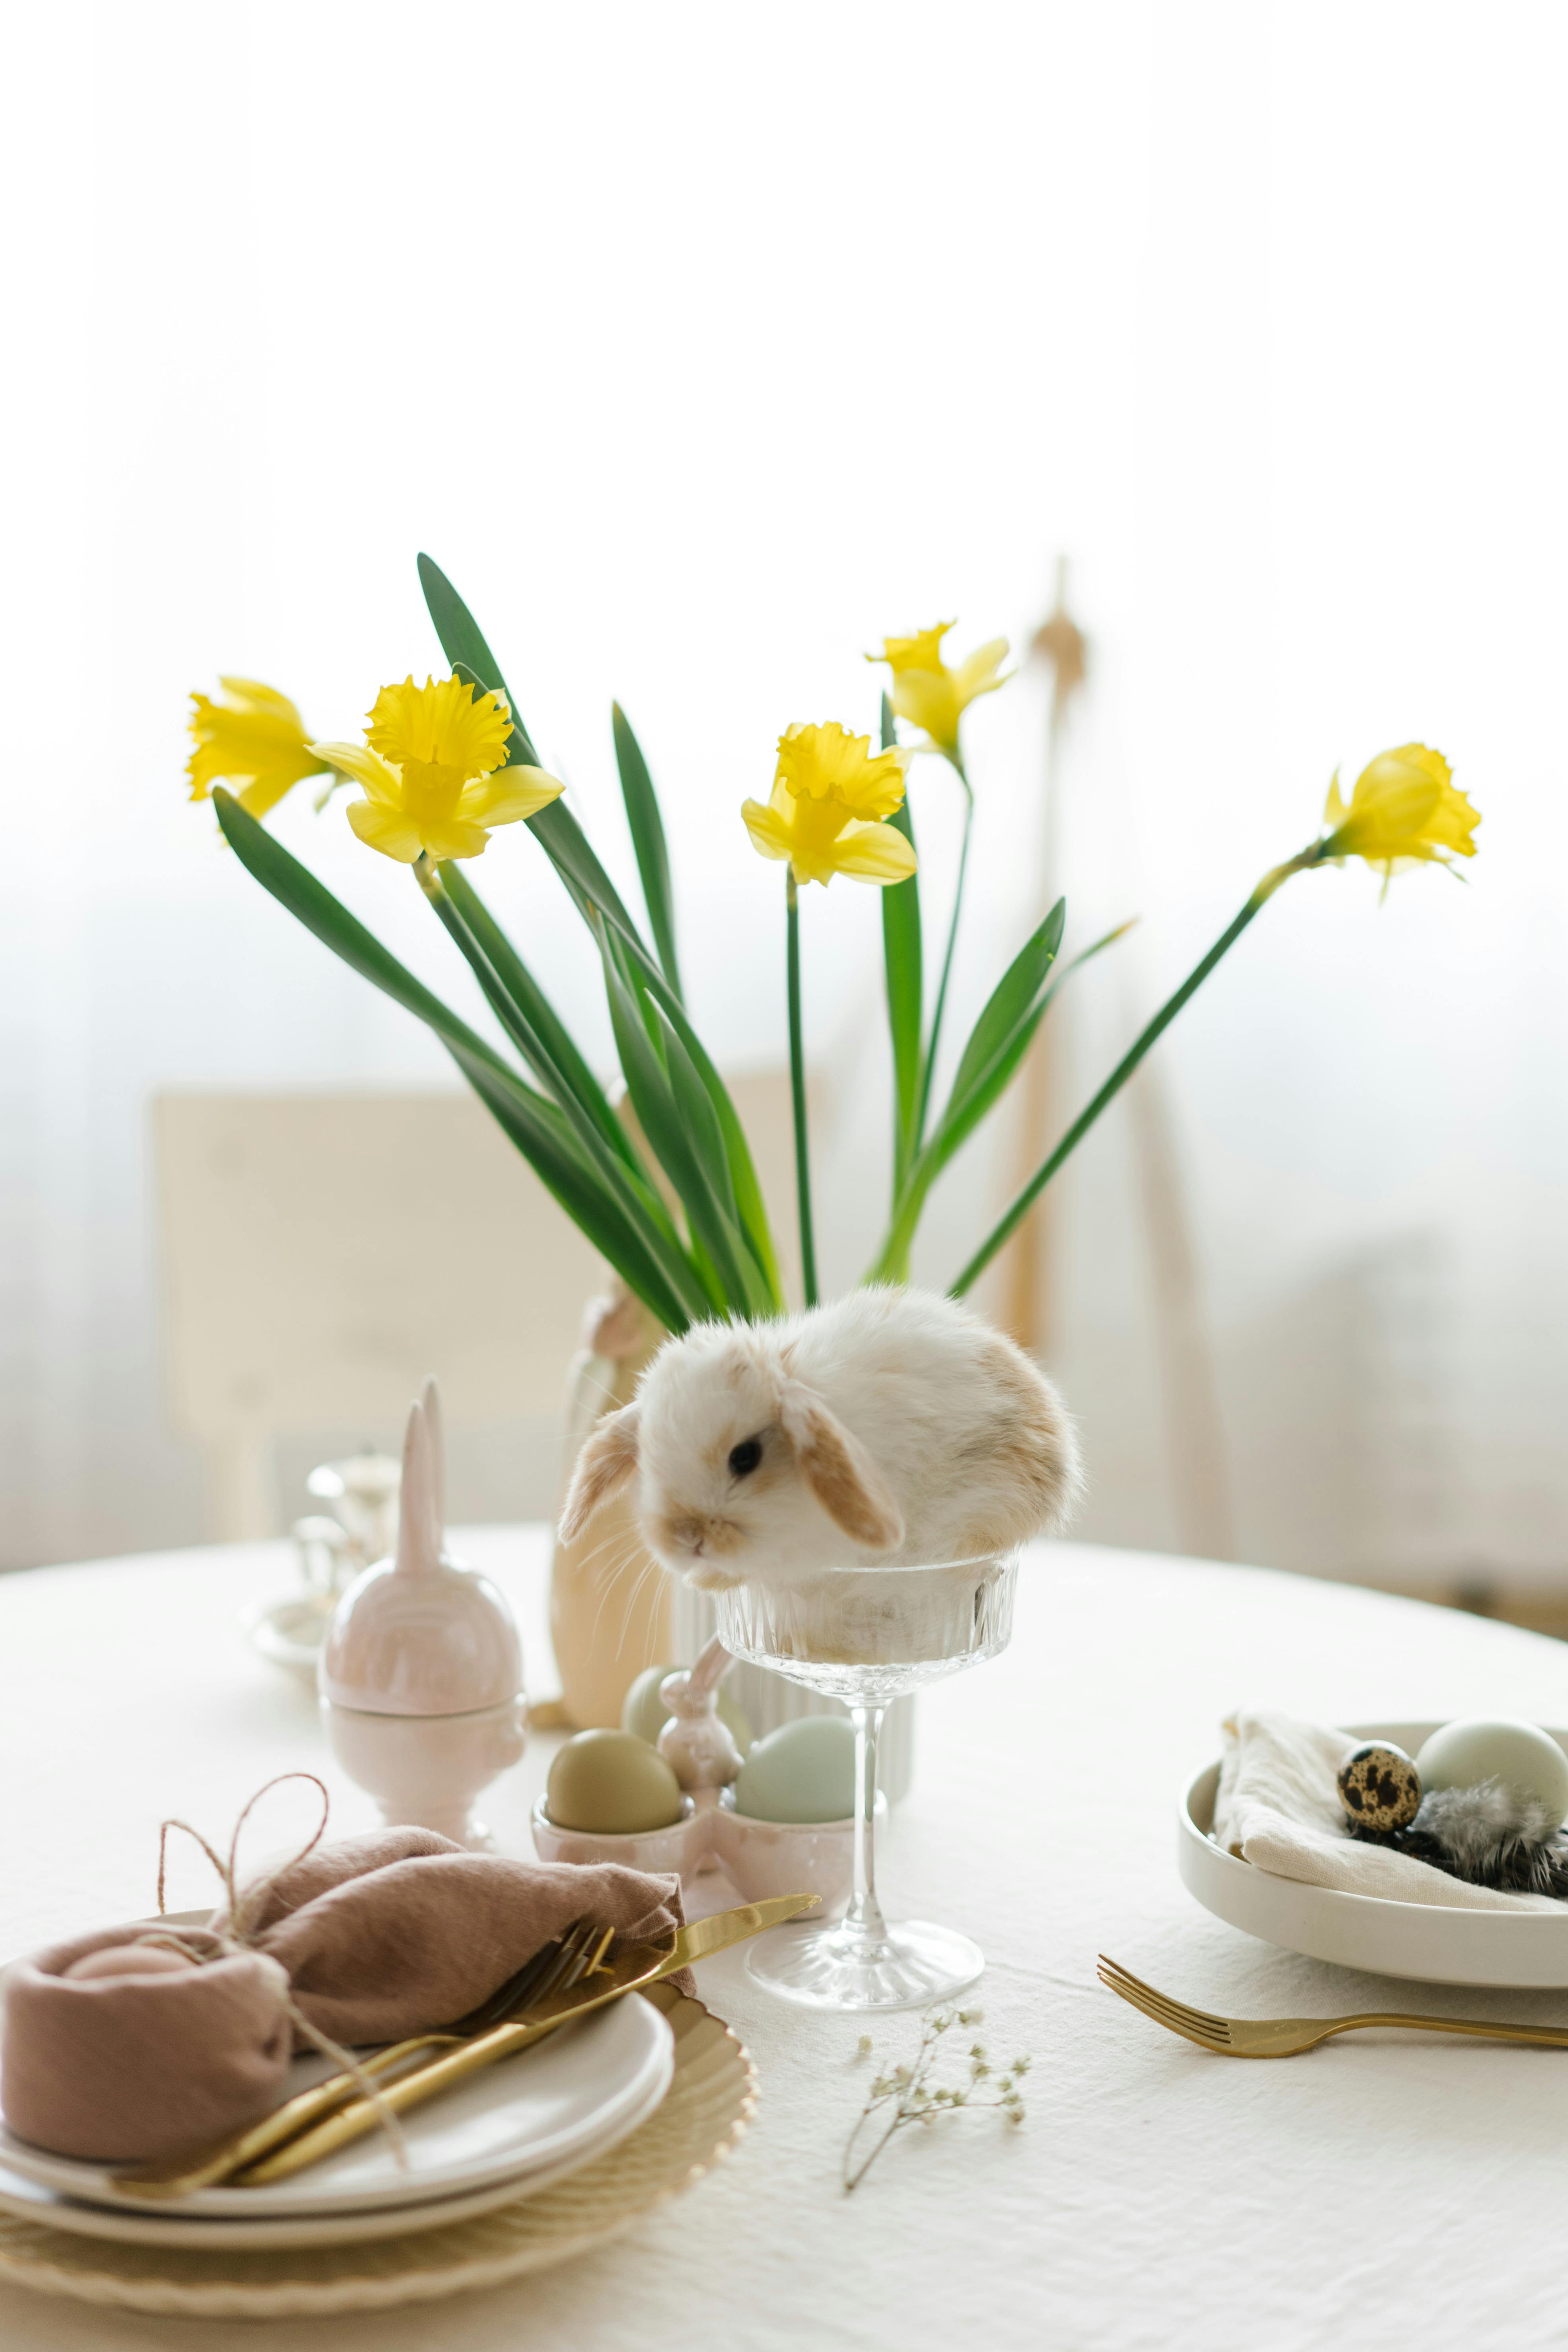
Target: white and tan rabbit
[(890, 1428)]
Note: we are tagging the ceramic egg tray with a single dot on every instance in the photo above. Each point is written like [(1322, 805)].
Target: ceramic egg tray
[(759, 1858)]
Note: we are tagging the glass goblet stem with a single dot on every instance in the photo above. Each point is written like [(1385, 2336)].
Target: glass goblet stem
[(864, 1925)]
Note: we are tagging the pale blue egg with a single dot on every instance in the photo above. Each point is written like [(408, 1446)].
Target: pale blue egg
[(803, 1771)]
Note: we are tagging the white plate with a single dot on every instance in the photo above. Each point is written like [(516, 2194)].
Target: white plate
[(539, 2109), (1425, 1940), (31, 2201)]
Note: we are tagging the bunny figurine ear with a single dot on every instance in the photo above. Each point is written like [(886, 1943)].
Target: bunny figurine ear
[(608, 1458), (419, 1527), (430, 1398), (839, 1471)]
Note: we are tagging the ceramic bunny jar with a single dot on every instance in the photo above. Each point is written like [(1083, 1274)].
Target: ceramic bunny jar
[(421, 1670)]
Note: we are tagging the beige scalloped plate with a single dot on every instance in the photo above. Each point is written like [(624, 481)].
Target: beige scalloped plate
[(708, 2107)]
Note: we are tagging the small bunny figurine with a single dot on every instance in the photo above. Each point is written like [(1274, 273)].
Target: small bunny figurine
[(891, 1428)]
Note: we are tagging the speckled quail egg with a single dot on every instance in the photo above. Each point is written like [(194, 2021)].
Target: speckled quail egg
[(1379, 1786)]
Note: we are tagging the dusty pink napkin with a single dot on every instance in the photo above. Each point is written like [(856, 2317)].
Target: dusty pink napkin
[(374, 1937)]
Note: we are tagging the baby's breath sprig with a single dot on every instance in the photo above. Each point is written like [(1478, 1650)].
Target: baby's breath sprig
[(909, 2092)]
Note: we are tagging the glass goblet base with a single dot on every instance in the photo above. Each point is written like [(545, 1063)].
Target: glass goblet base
[(906, 1966)]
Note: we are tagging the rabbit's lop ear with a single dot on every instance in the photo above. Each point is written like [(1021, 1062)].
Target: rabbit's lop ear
[(608, 1458), (839, 1471)]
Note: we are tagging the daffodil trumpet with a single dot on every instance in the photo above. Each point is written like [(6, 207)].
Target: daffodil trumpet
[(435, 772), (254, 741), (930, 694)]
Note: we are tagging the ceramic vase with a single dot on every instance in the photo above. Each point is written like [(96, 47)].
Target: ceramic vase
[(609, 1602)]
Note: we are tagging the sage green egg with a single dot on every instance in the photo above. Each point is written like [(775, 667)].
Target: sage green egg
[(644, 1713), (611, 1784), (803, 1771)]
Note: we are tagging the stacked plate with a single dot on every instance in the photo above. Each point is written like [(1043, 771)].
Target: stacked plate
[(502, 2135)]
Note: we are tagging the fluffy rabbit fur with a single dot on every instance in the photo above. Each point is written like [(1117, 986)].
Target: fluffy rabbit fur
[(887, 1428)]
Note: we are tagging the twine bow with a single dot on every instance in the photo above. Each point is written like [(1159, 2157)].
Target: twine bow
[(233, 1935)]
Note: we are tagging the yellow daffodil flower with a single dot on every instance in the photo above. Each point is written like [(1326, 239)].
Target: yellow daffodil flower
[(431, 765), (827, 763), (928, 693), (1404, 810), (256, 740), (823, 815)]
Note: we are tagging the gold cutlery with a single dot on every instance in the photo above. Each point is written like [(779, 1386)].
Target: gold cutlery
[(332, 2114), (633, 1966), (1287, 2037), (562, 1962)]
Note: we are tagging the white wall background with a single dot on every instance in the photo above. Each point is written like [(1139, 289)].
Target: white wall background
[(701, 345)]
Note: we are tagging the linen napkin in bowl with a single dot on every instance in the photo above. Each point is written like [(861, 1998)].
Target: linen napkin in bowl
[(372, 1938), (1277, 1807)]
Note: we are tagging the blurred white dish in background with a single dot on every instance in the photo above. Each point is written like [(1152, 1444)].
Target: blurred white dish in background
[(364, 1491), (289, 1632)]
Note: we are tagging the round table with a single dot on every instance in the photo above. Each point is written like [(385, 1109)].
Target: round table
[(1382, 2189)]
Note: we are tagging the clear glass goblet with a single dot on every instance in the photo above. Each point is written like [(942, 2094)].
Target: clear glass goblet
[(866, 1636)]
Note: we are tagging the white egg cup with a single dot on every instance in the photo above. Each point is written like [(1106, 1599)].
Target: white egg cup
[(761, 1858), (421, 1669)]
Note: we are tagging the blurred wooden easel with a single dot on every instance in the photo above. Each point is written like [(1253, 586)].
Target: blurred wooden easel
[(1193, 1430)]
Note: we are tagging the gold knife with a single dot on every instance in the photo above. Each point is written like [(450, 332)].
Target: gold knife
[(633, 1966), (210, 2166)]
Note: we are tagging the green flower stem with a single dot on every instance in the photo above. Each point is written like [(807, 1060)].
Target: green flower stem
[(956, 760), (893, 1262), (1002, 1233), (798, 1084)]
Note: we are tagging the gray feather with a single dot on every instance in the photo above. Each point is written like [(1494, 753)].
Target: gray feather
[(1490, 1835)]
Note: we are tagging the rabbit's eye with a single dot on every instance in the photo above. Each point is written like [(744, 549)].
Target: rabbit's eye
[(745, 1457)]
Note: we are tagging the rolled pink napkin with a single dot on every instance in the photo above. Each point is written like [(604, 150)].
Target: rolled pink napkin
[(373, 1938)]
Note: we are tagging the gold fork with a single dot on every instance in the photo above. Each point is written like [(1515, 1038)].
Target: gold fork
[(1287, 2037), (632, 1966), (552, 1968)]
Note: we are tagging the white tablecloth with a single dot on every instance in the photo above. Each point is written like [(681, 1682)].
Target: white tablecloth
[(1383, 2191)]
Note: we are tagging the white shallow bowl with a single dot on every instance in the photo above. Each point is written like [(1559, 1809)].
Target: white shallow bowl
[(29, 2201), (1424, 1940)]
